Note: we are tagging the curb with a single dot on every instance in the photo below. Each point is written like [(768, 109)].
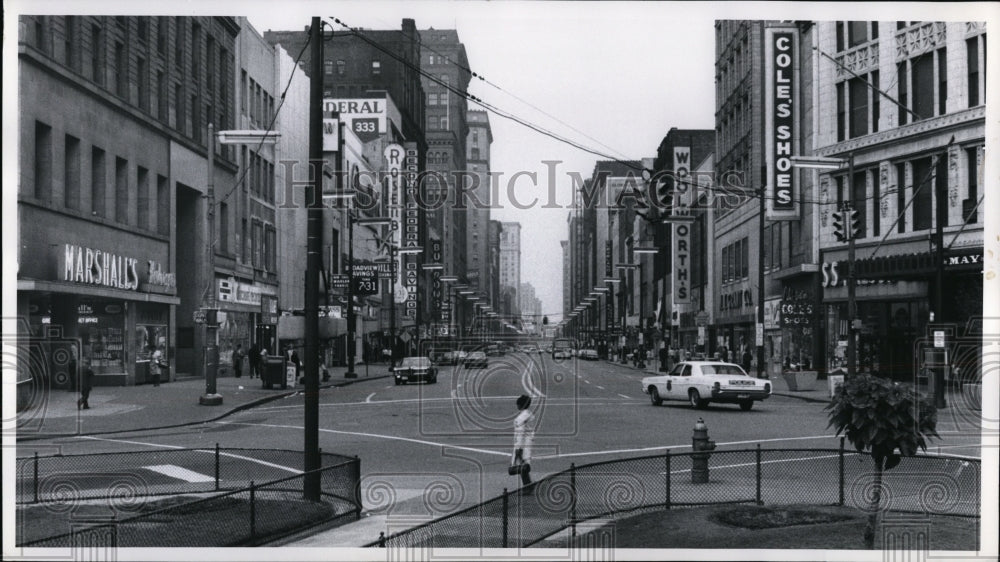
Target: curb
[(240, 408)]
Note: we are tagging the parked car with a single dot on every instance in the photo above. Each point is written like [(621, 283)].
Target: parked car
[(493, 351), (588, 354), (476, 359), (701, 382), (453, 357), (562, 354), (414, 369)]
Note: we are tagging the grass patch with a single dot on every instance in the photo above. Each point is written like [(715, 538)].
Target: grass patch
[(180, 521), (759, 517), (783, 527)]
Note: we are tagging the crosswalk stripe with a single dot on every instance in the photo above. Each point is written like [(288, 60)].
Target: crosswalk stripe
[(180, 473)]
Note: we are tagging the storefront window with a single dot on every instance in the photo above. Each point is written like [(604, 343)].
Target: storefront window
[(102, 330), (234, 329), (151, 331)]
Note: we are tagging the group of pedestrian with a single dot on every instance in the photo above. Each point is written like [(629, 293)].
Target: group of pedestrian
[(255, 358)]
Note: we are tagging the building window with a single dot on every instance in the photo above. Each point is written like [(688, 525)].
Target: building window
[(98, 181), (121, 70), (341, 68), (142, 196), (857, 33), (224, 228), (121, 190), (969, 206), (876, 99), (161, 35), (475, 154), (858, 93), (195, 119), (180, 118), (269, 248), (432, 99), (142, 28), (901, 196), (859, 200), (195, 52), (942, 91), (376, 67), (40, 39), (902, 92), (179, 38), (876, 200), (328, 67), (923, 194), (43, 161), (143, 83), (69, 41), (841, 112), (162, 205), (972, 63), (941, 186), (444, 97), (210, 67), (922, 69), (443, 122), (71, 174), (161, 96), (97, 54)]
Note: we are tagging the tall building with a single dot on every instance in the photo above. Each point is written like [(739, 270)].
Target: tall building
[(493, 251), (567, 278), (510, 261), (442, 56), (112, 252), (477, 202), (917, 189), (787, 243)]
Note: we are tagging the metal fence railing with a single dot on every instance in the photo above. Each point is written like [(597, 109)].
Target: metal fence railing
[(244, 505), (932, 485)]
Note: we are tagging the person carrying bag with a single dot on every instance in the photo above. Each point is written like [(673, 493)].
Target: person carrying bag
[(524, 434)]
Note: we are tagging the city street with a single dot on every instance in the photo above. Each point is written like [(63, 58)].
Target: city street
[(428, 449)]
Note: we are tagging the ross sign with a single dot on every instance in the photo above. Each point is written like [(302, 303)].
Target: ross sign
[(780, 114), (411, 230), (96, 267)]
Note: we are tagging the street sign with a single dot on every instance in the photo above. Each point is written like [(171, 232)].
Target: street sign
[(339, 281), (701, 319), (199, 316)]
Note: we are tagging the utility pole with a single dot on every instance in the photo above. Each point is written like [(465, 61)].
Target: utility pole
[(314, 245), (211, 359), (852, 345), (941, 205), (759, 328)]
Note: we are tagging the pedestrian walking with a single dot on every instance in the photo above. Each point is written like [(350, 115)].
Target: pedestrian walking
[(156, 365), (524, 434), (747, 359), (238, 356), (254, 359), (86, 384)]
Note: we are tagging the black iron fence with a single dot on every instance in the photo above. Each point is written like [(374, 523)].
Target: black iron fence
[(232, 497), (932, 485)]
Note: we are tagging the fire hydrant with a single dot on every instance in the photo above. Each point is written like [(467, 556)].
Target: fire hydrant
[(701, 445)]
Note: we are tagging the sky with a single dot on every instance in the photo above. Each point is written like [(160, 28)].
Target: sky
[(614, 76)]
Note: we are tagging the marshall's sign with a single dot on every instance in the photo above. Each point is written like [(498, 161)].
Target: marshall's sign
[(96, 267), (780, 115)]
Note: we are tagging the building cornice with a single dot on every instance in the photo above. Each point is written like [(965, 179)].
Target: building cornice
[(933, 126)]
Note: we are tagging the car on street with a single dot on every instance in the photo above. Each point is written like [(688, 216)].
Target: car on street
[(476, 359), (494, 351), (562, 354), (702, 382), (588, 354), (415, 369)]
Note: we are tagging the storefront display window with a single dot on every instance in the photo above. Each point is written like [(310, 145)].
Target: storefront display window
[(101, 328), (234, 329)]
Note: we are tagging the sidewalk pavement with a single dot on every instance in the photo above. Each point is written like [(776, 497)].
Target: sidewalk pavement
[(145, 407)]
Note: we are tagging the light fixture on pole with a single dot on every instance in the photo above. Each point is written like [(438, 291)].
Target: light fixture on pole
[(645, 250)]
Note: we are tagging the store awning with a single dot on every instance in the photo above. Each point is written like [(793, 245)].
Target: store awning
[(94, 291), (918, 265)]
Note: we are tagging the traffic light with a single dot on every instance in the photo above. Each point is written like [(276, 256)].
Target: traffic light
[(545, 320), (853, 223), (839, 226)]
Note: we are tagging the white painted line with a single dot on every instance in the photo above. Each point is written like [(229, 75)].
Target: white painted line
[(682, 446), (623, 396), (180, 473), (128, 442), (211, 451), (600, 387), (376, 435), (586, 381), (369, 399)]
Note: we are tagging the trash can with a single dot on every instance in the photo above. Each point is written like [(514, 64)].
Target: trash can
[(273, 372)]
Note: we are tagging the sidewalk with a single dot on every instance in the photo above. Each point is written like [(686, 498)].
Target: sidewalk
[(145, 407)]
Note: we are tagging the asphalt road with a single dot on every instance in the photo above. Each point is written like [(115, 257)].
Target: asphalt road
[(427, 449)]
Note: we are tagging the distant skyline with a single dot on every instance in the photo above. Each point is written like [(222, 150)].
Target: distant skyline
[(622, 73)]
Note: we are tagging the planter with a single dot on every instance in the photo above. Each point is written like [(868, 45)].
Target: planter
[(798, 381)]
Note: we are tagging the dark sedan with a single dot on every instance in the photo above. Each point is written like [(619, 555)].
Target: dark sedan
[(415, 369)]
